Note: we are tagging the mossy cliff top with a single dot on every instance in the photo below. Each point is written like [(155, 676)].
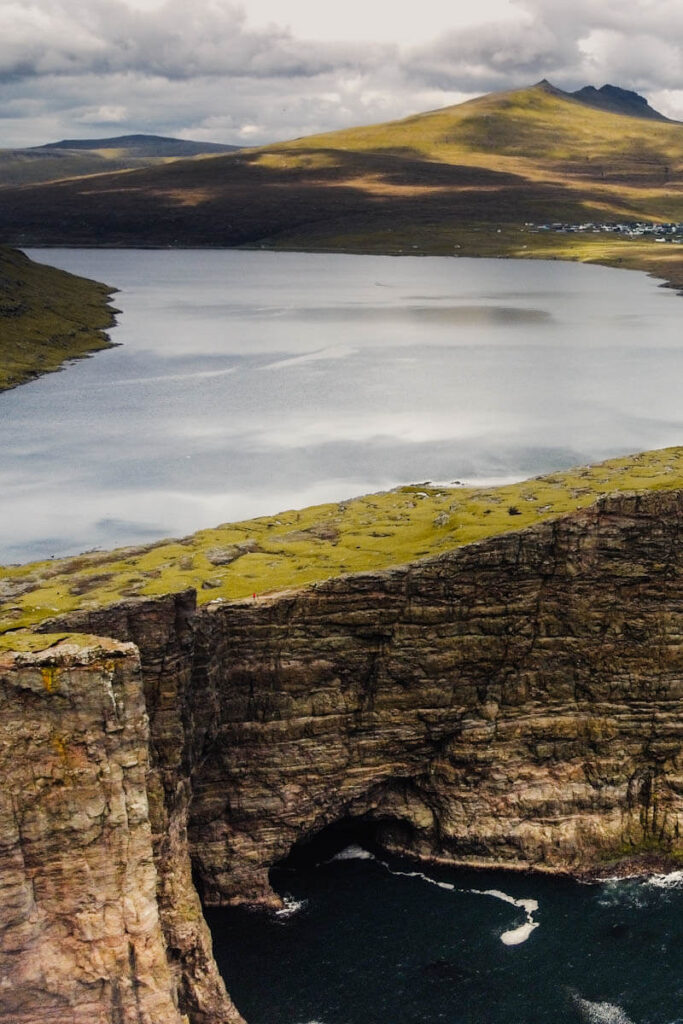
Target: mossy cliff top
[(47, 317), (266, 555)]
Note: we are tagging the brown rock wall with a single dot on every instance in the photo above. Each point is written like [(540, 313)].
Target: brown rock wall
[(80, 940), (516, 702), (178, 718)]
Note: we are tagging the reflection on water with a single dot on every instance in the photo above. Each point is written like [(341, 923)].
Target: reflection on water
[(370, 941), (249, 382)]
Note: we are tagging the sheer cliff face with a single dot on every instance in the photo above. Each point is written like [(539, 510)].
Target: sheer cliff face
[(79, 927), (516, 702)]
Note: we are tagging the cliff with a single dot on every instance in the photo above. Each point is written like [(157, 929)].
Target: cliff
[(514, 702), (79, 937)]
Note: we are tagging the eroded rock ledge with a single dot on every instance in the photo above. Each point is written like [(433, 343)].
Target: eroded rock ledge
[(517, 702)]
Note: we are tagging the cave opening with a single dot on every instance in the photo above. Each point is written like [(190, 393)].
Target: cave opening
[(376, 835)]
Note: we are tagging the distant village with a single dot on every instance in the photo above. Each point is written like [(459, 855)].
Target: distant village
[(627, 229)]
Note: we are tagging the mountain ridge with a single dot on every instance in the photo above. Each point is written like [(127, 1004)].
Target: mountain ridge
[(463, 179), (618, 101), (141, 142), (77, 158)]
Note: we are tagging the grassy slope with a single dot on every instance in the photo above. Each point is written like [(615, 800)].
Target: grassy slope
[(46, 317), (300, 547), (537, 132)]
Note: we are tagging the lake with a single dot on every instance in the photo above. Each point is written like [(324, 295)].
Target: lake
[(246, 383)]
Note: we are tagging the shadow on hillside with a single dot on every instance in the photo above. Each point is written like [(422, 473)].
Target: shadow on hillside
[(236, 199)]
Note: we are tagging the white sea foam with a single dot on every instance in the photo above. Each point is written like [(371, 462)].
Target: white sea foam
[(353, 852), (671, 881), (601, 1013), (512, 937), (291, 907)]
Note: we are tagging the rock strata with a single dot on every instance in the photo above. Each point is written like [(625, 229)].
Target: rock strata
[(516, 702), (79, 927)]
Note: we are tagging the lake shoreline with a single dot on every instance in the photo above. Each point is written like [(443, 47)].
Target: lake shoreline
[(99, 340), (48, 318)]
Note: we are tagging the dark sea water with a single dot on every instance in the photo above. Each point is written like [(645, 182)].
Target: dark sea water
[(251, 382), (367, 941)]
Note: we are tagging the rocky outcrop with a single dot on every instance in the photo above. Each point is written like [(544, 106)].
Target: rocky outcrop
[(80, 939), (162, 631), (515, 702)]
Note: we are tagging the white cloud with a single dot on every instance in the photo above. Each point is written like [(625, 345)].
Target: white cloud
[(104, 115)]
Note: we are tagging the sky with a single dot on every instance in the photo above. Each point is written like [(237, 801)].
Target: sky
[(260, 71)]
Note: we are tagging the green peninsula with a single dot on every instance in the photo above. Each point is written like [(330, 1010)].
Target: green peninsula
[(47, 317)]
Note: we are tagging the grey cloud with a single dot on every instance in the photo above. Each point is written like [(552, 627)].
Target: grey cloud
[(635, 45), (495, 56), (68, 68), (176, 41)]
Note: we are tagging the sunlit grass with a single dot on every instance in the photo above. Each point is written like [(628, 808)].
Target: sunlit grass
[(299, 547)]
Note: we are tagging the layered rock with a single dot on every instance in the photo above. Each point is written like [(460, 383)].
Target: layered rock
[(80, 939), (161, 630), (515, 702), (518, 702)]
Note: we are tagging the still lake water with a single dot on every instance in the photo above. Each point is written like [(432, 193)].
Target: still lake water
[(386, 942), (251, 382)]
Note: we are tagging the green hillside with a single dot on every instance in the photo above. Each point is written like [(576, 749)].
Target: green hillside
[(46, 317), (296, 548), (539, 133)]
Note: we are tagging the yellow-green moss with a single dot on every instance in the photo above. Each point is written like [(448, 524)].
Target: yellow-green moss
[(295, 548), (46, 317), (24, 641)]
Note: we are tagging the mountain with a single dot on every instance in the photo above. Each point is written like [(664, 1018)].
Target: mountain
[(144, 146), (617, 101), (73, 158), (465, 177)]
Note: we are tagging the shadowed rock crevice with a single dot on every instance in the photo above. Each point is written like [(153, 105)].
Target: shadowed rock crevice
[(372, 834)]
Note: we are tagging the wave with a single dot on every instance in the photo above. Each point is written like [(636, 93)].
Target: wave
[(512, 937), (601, 1013), (353, 852), (674, 880), (290, 908), (161, 378), (335, 352)]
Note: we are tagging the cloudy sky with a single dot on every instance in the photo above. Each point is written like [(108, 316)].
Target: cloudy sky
[(262, 70)]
